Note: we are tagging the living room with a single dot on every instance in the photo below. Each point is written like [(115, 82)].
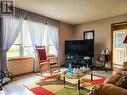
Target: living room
[(68, 21)]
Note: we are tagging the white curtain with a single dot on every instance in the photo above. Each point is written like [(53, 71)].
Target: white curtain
[(53, 31), (11, 26), (36, 26)]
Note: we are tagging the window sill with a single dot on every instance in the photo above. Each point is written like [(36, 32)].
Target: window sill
[(20, 58)]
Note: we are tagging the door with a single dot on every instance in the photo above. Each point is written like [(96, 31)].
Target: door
[(119, 48)]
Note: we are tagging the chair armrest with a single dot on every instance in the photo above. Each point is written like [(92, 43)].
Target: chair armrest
[(50, 55), (51, 58), (54, 59)]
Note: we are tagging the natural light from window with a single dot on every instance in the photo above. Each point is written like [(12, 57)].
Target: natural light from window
[(22, 47), (50, 49)]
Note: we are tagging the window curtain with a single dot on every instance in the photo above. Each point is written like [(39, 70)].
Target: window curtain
[(11, 26), (36, 25), (53, 32)]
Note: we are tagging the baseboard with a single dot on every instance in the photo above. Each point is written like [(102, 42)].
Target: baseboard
[(23, 74)]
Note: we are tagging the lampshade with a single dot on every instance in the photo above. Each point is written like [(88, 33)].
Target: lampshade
[(125, 40)]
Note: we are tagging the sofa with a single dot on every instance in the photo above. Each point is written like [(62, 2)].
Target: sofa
[(116, 84)]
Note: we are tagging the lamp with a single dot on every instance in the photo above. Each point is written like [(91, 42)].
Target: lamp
[(125, 40)]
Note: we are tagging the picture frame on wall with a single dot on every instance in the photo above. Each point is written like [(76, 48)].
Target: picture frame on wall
[(88, 35)]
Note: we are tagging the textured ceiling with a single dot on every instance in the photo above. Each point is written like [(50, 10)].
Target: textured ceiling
[(75, 11)]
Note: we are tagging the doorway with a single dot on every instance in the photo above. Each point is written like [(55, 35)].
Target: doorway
[(119, 49)]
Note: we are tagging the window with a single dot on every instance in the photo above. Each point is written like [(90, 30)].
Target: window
[(119, 38), (27, 43), (14, 50), (23, 44)]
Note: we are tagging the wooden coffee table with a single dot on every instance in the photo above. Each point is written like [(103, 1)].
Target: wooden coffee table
[(78, 77)]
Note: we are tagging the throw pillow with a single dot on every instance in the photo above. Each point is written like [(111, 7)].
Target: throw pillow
[(122, 82), (113, 79)]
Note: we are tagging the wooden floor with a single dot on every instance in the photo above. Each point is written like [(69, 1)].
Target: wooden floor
[(17, 86)]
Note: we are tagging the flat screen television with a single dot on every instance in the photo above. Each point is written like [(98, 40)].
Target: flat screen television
[(79, 48)]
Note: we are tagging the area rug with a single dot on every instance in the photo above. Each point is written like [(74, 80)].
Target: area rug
[(54, 86)]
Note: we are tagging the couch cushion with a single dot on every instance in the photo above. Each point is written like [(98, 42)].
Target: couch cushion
[(122, 82), (113, 78), (124, 66), (124, 73)]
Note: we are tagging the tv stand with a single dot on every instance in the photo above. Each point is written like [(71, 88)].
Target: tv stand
[(78, 61)]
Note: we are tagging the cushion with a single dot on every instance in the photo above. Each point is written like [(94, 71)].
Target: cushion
[(122, 82), (113, 79), (42, 54), (124, 66), (124, 73), (119, 73)]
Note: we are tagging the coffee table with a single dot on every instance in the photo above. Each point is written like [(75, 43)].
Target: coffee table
[(78, 77)]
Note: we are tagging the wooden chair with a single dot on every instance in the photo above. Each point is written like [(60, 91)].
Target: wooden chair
[(47, 63)]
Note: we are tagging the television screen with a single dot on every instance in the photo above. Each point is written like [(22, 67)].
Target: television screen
[(79, 48)]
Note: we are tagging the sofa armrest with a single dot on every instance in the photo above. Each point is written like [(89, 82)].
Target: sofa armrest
[(113, 78), (110, 89)]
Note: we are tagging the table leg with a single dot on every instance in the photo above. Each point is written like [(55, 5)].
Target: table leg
[(79, 85), (0, 86), (64, 80), (91, 76)]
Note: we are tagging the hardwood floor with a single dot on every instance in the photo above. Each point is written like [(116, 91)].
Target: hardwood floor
[(17, 86)]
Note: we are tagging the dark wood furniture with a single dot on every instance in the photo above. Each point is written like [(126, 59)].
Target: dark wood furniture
[(78, 61), (103, 59)]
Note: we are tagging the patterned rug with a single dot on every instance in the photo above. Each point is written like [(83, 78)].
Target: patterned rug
[(54, 86)]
